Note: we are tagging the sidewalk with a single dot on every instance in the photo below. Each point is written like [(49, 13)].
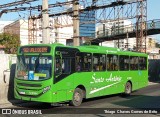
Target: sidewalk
[(12, 103), (153, 83)]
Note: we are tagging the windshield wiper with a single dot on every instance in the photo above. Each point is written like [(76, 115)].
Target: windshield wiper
[(37, 61)]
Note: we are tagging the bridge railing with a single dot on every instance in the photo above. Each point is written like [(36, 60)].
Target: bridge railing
[(119, 30), (153, 24), (115, 31)]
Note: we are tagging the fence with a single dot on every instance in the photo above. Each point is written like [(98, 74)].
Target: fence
[(154, 70)]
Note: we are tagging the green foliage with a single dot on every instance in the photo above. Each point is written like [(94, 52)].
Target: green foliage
[(157, 45), (11, 42)]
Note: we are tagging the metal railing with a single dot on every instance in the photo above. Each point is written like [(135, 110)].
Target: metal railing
[(120, 30)]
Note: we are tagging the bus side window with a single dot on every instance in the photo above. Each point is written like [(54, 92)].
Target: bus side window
[(123, 62), (83, 61), (133, 63), (99, 62), (78, 67), (112, 62), (66, 66), (142, 63)]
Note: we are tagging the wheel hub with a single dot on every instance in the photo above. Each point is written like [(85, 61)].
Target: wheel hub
[(77, 97), (128, 88)]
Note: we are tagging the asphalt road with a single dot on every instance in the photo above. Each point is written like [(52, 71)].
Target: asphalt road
[(147, 99)]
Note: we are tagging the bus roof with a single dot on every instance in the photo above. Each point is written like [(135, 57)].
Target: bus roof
[(108, 50)]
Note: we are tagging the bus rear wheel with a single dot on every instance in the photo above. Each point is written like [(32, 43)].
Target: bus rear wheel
[(128, 89), (77, 97)]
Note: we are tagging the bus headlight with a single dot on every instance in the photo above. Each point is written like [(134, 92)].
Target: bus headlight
[(46, 89)]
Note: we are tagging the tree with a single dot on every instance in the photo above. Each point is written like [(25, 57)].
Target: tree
[(11, 42), (157, 45)]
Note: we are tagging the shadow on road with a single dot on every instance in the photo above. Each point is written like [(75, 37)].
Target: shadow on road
[(140, 101)]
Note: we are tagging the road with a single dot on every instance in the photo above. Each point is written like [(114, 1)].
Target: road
[(148, 97)]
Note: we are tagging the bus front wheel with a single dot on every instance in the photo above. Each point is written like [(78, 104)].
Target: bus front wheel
[(128, 89), (77, 97)]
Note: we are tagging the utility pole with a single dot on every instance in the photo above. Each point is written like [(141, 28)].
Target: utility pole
[(127, 44), (45, 23), (76, 41), (56, 29)]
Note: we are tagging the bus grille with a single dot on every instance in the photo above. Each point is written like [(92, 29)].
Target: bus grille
[(29, 85)]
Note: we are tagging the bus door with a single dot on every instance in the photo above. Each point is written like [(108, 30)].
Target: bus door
[(64, 67)]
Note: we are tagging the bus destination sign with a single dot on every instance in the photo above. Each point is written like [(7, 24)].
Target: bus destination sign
[(35, 49)]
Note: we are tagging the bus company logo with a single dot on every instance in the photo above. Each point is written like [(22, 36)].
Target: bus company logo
[(111, 51), (101, 79)]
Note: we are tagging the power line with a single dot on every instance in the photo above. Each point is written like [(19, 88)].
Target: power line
[(17, 3)]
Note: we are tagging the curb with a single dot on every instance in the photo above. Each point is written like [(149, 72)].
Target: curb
[(153, 83), (12, 103)]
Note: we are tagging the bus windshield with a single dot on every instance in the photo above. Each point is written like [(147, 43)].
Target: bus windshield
[(34, 67)]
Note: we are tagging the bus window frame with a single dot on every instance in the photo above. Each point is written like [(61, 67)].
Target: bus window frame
[(112, 63), (82, 62), (128, 57), (134, 66), (99, 55), (145, 63), (73, 52)]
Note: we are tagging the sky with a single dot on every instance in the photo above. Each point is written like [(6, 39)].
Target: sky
[(153, 8)]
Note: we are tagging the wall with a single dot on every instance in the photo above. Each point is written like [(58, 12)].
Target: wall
[(7, 77), (154, 70), (23, 31)]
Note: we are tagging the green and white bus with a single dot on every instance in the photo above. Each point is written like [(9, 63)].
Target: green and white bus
[(56, 73)]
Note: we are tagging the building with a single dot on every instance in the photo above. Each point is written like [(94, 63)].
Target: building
[(19, 27), (31, 32), (60, 28), (3, 24), (87, 26)]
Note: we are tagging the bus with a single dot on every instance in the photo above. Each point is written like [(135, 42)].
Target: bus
[(56, 73)]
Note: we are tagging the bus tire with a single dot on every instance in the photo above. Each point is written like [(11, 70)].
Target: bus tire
[(77, 97), (128, 89)]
